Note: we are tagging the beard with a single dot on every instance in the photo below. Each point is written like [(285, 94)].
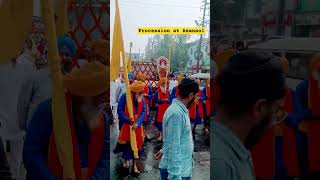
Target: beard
[(138, 98), (90, 114), (257, 132), (190, 103)]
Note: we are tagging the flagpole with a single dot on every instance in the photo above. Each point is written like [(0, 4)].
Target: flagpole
[(61, 128), (129, 103)]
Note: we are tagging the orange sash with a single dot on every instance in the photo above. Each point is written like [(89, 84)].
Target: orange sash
[(124, 135), (162, 107)]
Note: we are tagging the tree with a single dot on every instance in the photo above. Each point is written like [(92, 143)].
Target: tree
[(177, 43)]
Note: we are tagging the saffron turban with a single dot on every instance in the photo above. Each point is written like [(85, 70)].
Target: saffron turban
[(180, 78), (89, 80), (141, 77), (137, 86), (100, 48)]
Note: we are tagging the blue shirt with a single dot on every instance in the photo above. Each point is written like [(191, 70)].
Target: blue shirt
[(230, 159), (177, 145)]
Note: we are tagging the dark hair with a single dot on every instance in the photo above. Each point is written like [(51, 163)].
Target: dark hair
[(247, 77), (188, 86)]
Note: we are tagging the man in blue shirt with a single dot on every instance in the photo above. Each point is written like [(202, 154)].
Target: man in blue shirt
[(177, 149), (252, 88)]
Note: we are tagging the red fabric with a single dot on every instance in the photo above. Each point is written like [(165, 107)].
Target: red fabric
[(162, 107), (313, 136), (215, 95), (314, 96), (95, 149), (177, 92), (192, 109), (313, 126), (146, 91), (263, 156), (125, 130), (207, 102), (289, 146)]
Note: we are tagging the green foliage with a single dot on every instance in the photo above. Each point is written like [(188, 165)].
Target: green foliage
[(161, 43)]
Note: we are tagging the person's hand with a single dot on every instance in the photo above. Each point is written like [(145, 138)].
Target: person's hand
[(158, 155), (146, 95), (131, 121), (134, 127)]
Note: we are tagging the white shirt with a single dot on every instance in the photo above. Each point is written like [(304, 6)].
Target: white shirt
[(14, 81), (172, 84), (115, 89)]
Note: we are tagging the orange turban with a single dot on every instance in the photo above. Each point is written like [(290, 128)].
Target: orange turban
[(180, 78), (162, 81), (285, 65), (137, 86), (100, 48), (89, 80), (315, 63), (223, 57), (141, 77)]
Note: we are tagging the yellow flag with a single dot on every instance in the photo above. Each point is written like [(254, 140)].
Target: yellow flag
[(119, 46), (16, 24), (60, 123), (62, 25)]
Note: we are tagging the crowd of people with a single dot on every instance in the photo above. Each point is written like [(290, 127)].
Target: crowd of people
[(151, 107), (28, 142)]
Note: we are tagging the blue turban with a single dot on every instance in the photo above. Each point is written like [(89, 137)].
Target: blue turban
[(130, 76), (65, 44)]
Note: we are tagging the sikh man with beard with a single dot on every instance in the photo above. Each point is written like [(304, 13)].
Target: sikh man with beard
[(124, 143), (177, 149), (85, 100), (147, 94), (245, 115), (161, 99)]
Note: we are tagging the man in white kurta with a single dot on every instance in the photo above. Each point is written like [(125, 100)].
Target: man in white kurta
[(15, 78)]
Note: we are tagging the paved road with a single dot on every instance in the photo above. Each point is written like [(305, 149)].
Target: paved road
[(149, 167)]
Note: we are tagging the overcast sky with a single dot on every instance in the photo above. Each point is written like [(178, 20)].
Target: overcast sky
[(142, 13)]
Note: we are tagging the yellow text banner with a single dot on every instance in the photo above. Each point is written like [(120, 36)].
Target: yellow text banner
[(171, 30)]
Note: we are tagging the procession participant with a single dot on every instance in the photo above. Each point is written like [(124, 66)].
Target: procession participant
[(41, 87), (286, 155), (85, 100), (172, 82), (15, 78), (67, 51), (115, 90), (196, 111), (147, 94), (99, 51), (308, 109), (124, 145), (161, 100), (275, 156), (206, 106), (177, 149), (175, 91), (243, 117)]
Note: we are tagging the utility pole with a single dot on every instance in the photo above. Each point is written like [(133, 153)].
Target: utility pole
[(139, 56), (200, 41), (152, 47)]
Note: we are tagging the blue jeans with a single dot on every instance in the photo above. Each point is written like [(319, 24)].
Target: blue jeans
[(164, 175)]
